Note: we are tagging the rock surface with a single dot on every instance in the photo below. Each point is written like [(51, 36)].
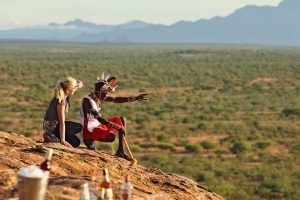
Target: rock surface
[(71, 167)]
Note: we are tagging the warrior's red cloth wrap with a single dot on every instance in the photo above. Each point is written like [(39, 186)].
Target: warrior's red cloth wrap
[(102, 131)]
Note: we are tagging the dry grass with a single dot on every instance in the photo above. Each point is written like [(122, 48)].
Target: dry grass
[(271, 80)]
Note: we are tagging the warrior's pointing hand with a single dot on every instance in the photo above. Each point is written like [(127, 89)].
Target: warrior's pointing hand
[(142, 97)]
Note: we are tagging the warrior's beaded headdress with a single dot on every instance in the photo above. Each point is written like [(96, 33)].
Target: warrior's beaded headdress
[(106, 84)]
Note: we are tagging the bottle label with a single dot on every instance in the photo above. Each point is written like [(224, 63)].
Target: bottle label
[(109, 194), (125, 195)]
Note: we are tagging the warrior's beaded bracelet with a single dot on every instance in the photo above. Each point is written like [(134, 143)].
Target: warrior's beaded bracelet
[(132, 98), (113, 125)]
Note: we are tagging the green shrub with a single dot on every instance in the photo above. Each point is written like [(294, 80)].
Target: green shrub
[(205, 117), (181, 142), (135, 148), (202, 126), (262, 144), (197, 148), (159, 159), (291, 111), (240, 147), (208, 145), (296, 173), (216, 108), (147, 145), (220, 152), (105, 146), (188, 120), (203, 86), (162, 137), (226, 188), (272, 188), (187, 170), (205, 177), (159, 145), (166, 146), (296, 149)]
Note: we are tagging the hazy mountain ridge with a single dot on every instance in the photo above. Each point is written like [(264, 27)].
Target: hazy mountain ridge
[(69, 31), (251, 24)]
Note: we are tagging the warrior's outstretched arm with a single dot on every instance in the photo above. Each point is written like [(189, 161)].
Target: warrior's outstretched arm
[(126, 99)]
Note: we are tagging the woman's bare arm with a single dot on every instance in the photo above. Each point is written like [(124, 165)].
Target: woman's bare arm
[(62, 128)]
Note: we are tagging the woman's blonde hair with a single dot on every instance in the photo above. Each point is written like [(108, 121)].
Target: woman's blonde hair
[(62, 86)]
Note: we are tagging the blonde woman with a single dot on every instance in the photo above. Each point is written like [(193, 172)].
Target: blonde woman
[(55, 127)]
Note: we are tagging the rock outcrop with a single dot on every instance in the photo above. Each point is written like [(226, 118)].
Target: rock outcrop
[(71, 167)]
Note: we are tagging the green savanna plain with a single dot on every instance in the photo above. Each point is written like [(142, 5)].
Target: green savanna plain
[(226, 116)]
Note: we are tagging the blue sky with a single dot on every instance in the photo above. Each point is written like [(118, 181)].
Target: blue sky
[(20, 13)]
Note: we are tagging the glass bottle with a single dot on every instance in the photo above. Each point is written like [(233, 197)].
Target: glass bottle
[(45, 165), (126, 189), (93, 189), (85, 194), (106, 192)]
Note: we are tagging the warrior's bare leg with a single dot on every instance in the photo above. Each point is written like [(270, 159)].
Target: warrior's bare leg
[(120, 152)]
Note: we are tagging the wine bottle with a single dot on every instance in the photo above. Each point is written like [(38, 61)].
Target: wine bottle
[(45, 165), (85, 195), (106, 192)]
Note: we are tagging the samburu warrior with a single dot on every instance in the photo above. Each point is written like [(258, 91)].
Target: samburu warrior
[(97, 128)]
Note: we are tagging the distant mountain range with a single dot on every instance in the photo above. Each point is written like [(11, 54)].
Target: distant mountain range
[(251, 24)]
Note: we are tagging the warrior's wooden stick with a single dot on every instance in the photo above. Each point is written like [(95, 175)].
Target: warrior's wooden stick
[(133, 160)]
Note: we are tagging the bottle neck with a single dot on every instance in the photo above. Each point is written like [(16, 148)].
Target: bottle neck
[(127, 178), (105, 175), (48, 155), (106, 178)]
